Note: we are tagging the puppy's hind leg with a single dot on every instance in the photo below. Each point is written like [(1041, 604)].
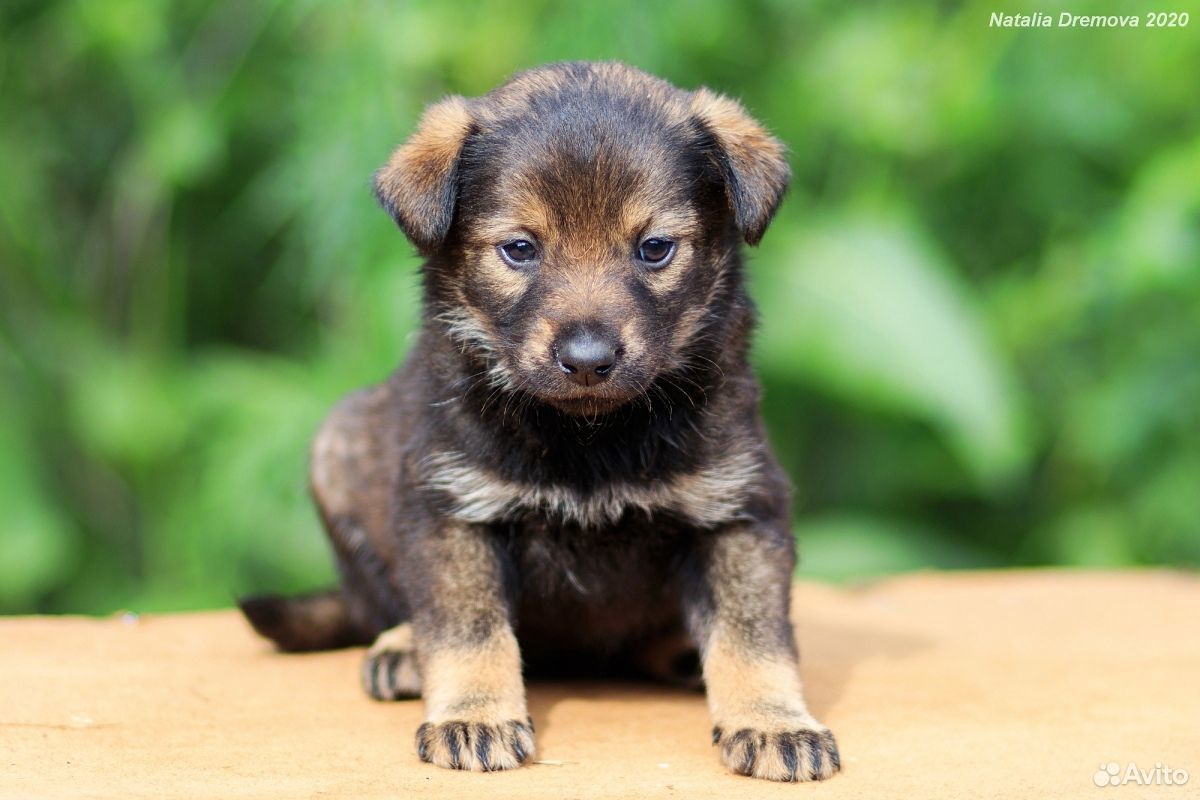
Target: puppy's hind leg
[(350, 475), (671, 657), (389, 669)]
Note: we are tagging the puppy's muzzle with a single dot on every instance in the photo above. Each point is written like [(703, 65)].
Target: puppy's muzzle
[(588, 356)]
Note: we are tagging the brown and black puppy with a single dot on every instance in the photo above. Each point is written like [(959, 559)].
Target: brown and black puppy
[(570, 467)]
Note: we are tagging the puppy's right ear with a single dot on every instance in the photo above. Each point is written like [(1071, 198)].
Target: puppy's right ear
[(418, 185), (751, 161)]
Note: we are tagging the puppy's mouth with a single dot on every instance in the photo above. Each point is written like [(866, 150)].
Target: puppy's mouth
[(586, 406), (556, 391)]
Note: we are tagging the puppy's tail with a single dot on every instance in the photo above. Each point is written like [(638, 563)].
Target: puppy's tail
[(318, 621)]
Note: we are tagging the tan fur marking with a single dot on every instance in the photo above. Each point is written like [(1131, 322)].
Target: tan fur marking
[(646, 216), (481, 684), (432, 149), (500, 278), (686, 327), (632, 341), (399, 638), (415, 184), (584, 290), (662, 281), (528, 218), (752, 692), (735, 128), (537, 345)]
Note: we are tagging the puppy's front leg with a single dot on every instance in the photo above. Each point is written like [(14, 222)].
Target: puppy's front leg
[(475, 714), (738, 612)]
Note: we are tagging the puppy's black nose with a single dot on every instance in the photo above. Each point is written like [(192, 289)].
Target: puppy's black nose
[(587, 356)]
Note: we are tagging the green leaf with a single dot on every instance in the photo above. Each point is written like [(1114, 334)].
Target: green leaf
[(864, 307)]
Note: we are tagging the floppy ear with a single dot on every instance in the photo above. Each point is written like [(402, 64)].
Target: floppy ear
[(418, 184), (751, 161)]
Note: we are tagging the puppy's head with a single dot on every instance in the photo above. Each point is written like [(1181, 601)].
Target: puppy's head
[(581, 224)]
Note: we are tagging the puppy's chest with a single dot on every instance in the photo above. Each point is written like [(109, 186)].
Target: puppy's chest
[(712, 494), (596, 566)]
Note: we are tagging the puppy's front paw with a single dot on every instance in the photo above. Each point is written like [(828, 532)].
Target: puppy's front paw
[(803, 754), (480, 746)]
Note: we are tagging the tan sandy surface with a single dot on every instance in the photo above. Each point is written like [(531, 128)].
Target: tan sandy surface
[(970, 685)]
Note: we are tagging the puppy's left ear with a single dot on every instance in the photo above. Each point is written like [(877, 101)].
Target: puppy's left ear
[(751, 161), (418, 186)]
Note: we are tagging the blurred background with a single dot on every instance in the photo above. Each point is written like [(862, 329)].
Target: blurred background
[(981, 300)]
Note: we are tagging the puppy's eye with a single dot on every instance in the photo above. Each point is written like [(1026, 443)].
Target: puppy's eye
[(656, 252), (519, 252)]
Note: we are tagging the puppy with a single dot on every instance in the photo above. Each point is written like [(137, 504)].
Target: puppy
[(569, 469)]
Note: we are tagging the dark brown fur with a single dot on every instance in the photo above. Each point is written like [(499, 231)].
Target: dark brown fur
[(489, 509)]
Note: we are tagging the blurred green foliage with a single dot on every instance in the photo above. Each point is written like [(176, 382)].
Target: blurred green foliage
[(981, 301)]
